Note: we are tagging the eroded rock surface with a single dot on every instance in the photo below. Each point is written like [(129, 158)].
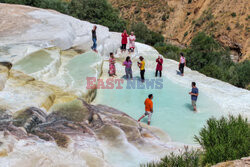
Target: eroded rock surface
[(81, 126)]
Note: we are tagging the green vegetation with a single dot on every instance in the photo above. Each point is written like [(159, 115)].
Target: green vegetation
[(208, 57), (98, 12), (186, 33), (206, 16), (222, 140), (144, 35), (184, 159), (233, 14), (95, 11)]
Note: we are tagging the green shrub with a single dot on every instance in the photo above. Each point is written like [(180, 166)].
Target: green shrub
[(242, 71), (233, 14), (164, 17), (186, 33), (224, 139), (144, 35), (168, 51), (97, 11), (208, 57), (184, 159)]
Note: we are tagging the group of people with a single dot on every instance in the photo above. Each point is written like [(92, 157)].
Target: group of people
[(125, 38), (141, 64), (128, 67), (124, 41)]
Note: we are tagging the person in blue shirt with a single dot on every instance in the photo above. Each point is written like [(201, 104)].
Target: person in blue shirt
[(194, 95)]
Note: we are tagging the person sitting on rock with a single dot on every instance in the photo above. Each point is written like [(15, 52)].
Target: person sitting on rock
[(148, 108)]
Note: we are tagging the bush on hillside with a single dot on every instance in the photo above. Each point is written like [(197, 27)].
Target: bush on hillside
[(208, 57), (185, 159), (97, 11), (204, 50), (168, 50), (224, 139), (144, 35)]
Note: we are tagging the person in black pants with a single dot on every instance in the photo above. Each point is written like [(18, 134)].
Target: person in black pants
[(141, 65), (159, 62), (94, 38), (182, 64)]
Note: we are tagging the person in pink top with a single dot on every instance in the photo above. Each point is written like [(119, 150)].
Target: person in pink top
[(132, 39), (112, 71), (128, 68), (182, 64), (124, 40), (159, 62)]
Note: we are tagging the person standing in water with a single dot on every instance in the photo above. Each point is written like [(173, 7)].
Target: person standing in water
[(124, 40), (112, 70), (182, 64), (94, 38), (132, 39), (148, 108), (159, 62), (141, 65), (128, 68), (194, 95)]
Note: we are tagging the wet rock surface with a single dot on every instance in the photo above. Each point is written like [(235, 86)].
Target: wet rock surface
[(76, 125)]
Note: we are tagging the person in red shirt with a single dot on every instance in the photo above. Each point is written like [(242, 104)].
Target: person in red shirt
[(124, 40), (148, 108), (159, 62)]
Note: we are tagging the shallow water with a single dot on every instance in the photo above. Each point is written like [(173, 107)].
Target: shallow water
[(34, 62), (80, 67), (172, 107)]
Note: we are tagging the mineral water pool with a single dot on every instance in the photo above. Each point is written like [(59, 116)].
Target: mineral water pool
[(173, 112), (34, 62), (80, 67)]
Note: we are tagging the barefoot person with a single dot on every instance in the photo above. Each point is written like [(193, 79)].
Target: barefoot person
[(128, 67), (159, 62), (132, 39), (124, 40), (94, 38), (194, 95), (148, 108), (182, 64), (141, 65), (112, 65)]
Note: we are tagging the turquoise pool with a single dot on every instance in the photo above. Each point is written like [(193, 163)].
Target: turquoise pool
[(172, 107)]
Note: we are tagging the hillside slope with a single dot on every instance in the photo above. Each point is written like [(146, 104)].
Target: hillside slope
[(179, 20)]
